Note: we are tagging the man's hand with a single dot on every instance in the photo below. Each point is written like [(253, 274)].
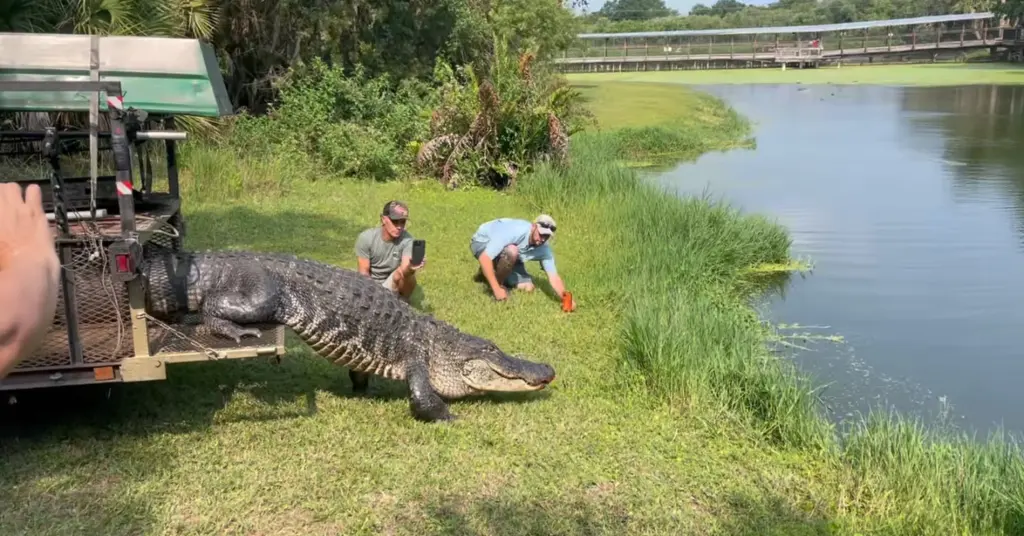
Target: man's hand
[(24, 231), (418, 267), (499, 293), (29, 273)]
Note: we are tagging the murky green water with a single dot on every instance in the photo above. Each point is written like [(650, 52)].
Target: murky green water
[(910, 203)]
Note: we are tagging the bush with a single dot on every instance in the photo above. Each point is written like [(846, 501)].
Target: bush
[(350, 125)]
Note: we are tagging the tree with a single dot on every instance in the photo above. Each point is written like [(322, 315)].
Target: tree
[(635, 10)]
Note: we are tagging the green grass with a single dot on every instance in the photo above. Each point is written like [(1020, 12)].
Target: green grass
[(669, 416), (949, 74), (659, 124)]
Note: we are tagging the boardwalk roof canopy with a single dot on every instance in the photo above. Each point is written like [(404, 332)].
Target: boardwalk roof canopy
[(932, 19)]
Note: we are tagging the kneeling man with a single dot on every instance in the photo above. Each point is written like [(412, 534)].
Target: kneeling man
[(502, 245), (384, 253)]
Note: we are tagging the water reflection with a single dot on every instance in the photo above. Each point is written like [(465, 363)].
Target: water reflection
[(982, 128), (910, 202)]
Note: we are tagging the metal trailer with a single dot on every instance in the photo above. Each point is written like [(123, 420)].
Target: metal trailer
[(105, 226)]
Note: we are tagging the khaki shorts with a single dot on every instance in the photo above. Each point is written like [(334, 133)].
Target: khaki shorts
[(389, 283)]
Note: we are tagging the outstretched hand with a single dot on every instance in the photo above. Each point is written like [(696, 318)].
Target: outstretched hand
[(24, 231), (29, 273)]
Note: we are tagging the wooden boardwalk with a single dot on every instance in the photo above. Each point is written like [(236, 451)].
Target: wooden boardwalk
[(789, 55), (924, 37)]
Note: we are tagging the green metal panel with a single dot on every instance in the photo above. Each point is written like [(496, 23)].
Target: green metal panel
[(160, 75)]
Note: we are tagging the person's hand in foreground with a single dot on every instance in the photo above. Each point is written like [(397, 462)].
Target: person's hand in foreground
[(29, 274)]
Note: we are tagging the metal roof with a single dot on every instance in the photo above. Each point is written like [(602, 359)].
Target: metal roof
[(932, 19)]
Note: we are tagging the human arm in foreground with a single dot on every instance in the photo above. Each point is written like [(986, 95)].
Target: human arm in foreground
[(29, 274)]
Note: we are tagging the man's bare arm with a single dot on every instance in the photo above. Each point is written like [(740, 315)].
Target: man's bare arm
[(29, 272), (556, 284), (29, 299), (364, 265), (487, 267)]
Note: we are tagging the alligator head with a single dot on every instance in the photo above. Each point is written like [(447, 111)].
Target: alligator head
[(470, 365)]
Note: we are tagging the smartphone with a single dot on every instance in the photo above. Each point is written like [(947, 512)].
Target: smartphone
[(419, 250)]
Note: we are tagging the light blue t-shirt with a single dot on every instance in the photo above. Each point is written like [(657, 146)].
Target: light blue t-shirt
[(496, 234)]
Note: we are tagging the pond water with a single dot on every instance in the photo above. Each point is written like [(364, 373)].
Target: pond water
[(910, 204)]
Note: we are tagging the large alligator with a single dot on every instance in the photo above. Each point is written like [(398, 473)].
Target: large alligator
[(343, 316)]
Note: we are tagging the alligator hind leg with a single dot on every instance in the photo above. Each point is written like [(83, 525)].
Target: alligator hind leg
[(425, 403), (223, 312), (360, 381), (226, 328)]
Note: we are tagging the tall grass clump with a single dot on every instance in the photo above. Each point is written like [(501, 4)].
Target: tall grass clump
[(918, 480), (687, 330)]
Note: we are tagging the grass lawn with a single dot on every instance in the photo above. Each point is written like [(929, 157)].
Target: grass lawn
[(940, 74), (723, 446)]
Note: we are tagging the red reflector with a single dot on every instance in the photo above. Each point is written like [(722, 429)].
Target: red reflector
[(124, 263)]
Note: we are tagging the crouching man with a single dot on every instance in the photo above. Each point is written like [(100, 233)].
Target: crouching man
[(503, 245), (385, 253)]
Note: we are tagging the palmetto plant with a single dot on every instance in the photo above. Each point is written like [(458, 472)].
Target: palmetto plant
[(493, 129)]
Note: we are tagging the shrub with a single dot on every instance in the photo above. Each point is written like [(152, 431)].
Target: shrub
[(351, 125)]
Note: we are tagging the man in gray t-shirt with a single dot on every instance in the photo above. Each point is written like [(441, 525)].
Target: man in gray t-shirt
[(384, 253)]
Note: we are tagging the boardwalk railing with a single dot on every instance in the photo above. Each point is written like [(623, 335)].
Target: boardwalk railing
[(811, 44), (791, 54)]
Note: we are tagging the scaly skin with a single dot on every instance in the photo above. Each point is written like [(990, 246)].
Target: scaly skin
[(342, 315)]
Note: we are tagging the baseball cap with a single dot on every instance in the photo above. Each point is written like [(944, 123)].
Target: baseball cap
[(545, 224), (396, 210)]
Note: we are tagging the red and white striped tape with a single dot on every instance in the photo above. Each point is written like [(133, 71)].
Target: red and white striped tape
[(124, 188), (116, 102)]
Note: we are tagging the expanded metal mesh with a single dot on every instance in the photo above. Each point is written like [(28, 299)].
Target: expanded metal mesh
[(164, 341), (104, 314), (101, 303)]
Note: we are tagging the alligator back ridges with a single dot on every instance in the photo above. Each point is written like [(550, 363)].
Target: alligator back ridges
[(342, 315)]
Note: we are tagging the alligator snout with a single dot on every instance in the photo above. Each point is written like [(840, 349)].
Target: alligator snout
[(539, 374)]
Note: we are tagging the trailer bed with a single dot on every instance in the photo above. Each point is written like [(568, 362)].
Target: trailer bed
[(105, 327)]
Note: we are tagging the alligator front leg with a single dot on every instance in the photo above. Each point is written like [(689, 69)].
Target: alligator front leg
[(424, 402)]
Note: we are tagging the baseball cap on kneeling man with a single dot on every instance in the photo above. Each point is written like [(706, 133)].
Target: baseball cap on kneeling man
[(396, 210), (545, 225)]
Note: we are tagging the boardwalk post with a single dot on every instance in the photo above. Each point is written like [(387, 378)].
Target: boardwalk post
[(913, 39)]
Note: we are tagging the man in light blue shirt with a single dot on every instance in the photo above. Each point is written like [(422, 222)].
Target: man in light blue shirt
[(502, 245)]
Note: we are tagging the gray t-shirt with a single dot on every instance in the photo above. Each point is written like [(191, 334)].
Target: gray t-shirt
[(385, 257)]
